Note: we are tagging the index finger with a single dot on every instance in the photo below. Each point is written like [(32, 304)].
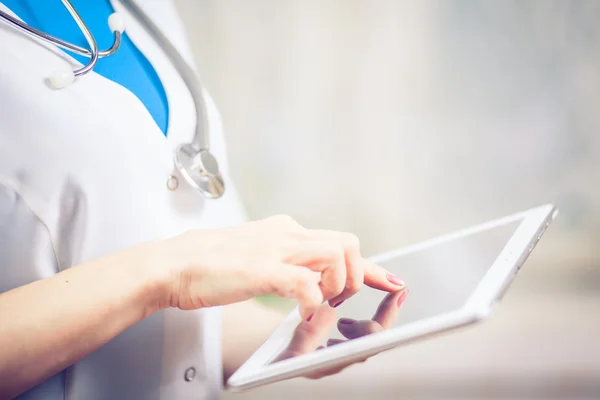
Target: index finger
[(379, 278)]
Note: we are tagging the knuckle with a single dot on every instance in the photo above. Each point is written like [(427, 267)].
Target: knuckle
[(340, 285), (353, 286), (290, 225), (299, 288), (285, 219), (315, 298), (352, 241), (338, 254), (304, 286), (270, 284), (334, 286), (334, 282)]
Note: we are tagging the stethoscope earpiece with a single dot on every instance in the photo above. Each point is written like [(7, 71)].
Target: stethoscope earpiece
[(193, 160), (116, 23), (62, 79)]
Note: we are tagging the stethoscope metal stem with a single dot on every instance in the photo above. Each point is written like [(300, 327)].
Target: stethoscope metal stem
[(60, 42), (193, 160), (201, 139), (88, 36)]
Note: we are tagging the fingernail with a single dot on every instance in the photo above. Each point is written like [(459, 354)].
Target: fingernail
[(346, 321), (402, 297), (395, 280), (338, 304), (309, 317)]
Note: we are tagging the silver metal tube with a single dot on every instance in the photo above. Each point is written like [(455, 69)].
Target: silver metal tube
[(88, 36), (18, 24), (201, 140)]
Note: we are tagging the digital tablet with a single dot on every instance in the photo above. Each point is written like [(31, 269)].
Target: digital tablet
[(452, 281)]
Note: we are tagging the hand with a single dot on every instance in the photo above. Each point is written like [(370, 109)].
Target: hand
[(271, 256), (309, 334)]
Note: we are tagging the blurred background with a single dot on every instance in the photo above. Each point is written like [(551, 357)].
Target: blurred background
[(401, 120)]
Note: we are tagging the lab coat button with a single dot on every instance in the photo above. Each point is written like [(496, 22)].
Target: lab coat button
[(190, 374)]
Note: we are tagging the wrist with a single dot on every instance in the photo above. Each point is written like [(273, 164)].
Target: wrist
[(153, 269)]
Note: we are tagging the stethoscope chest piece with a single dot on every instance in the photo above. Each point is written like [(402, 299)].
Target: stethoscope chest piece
[(193, 160), (200, 170)]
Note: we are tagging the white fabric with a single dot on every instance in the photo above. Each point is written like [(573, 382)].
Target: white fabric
[(83, 172)]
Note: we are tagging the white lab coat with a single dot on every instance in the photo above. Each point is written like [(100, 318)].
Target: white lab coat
[(83, 173)]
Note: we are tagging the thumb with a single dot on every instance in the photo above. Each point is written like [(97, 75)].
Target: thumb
[(309, 335)]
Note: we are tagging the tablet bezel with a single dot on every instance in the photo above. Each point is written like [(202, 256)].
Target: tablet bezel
[(256, 371)]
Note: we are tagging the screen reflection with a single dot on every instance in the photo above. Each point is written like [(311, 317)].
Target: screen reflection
[(439, 279)]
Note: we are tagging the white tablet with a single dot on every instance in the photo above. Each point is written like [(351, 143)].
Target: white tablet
[(453, 280)]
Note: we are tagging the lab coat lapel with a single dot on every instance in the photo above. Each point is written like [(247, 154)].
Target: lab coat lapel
[(182, 115)]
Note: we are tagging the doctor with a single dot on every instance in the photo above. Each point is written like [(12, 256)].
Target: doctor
[(112, 262)]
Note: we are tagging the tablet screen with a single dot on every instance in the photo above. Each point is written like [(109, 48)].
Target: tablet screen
[(439, 279)]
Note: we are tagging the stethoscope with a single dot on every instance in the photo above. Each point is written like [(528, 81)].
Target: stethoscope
[(194, 161)]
